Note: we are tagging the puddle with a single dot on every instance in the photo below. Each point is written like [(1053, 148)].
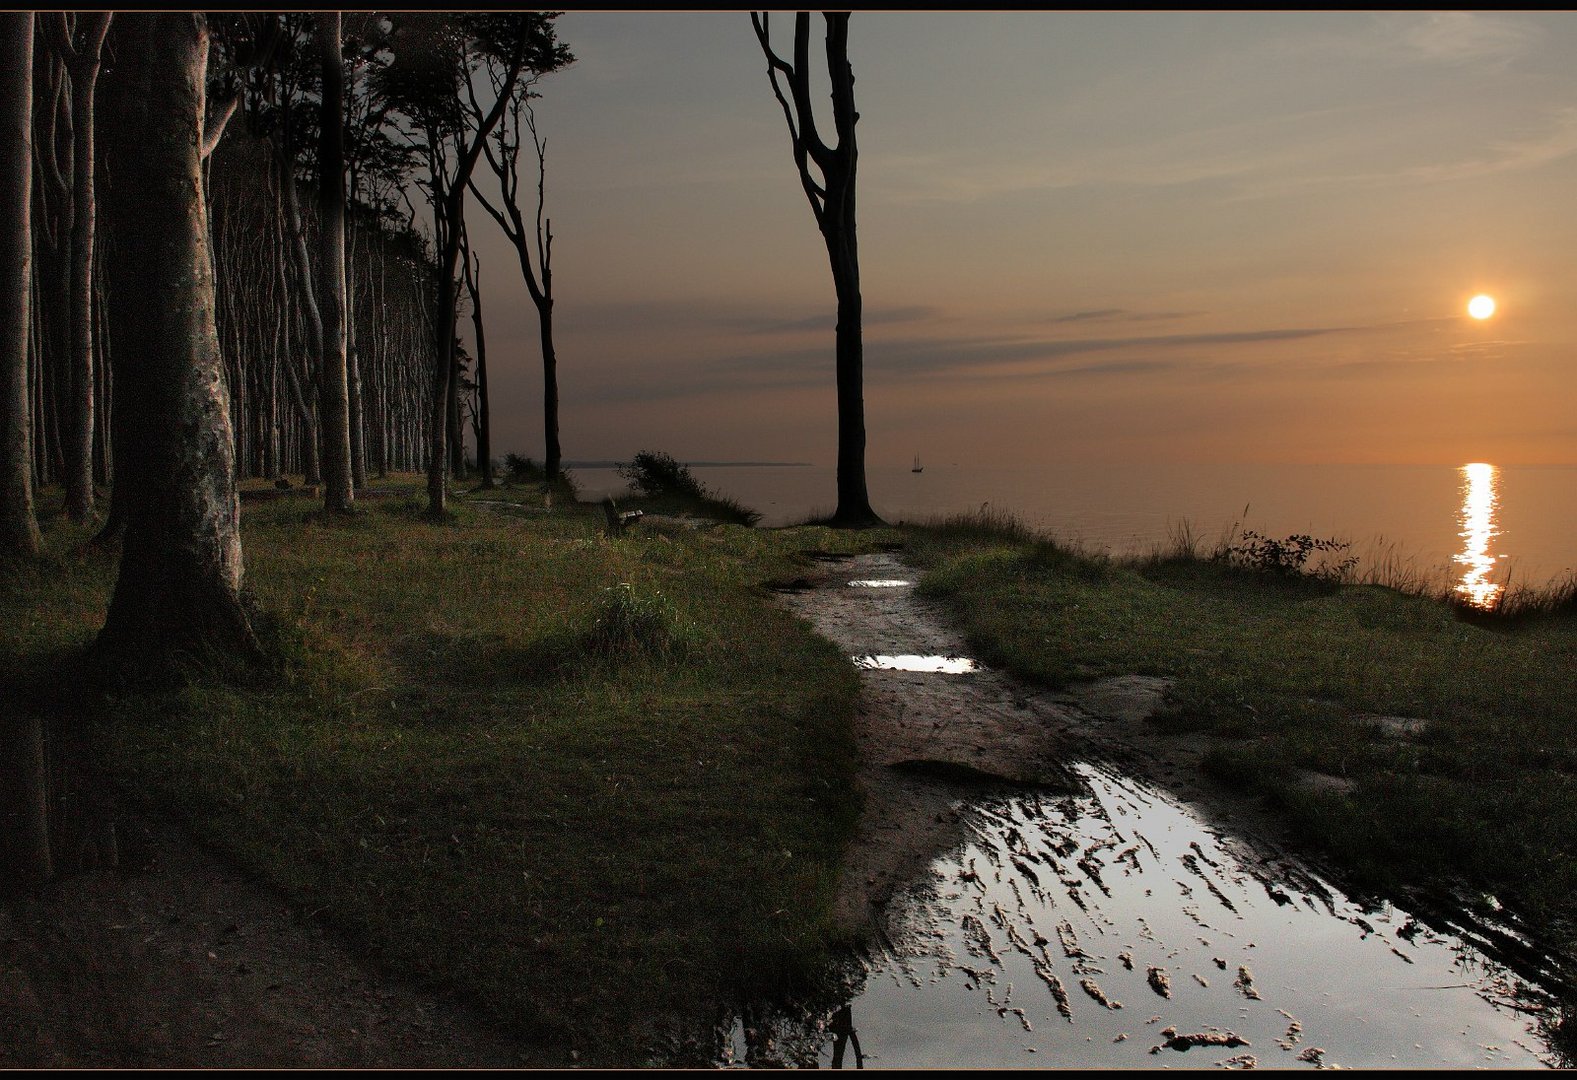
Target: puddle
[(947, 665), (1114, 929), (879, 584)]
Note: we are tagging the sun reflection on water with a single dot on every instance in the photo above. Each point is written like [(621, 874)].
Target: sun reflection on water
[(1480, 503)]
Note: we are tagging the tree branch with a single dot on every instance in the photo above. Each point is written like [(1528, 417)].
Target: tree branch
[(214, 123)]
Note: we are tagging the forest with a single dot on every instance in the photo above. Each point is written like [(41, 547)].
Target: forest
[(217, 270), (237, 254)]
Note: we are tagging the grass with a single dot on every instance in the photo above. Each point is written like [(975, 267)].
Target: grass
[(598, 784), (595, 784), (1285, 672)]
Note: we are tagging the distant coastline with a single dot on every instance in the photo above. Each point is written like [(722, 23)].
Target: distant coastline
[(697, 464)]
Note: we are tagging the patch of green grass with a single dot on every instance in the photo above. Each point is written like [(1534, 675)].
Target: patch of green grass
[(596, 784), (1282, 670)]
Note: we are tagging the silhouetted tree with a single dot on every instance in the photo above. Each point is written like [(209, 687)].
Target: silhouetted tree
[(435, 57), (832, 201), (471, 267), (18, 526), (178, 592), (506, 166)]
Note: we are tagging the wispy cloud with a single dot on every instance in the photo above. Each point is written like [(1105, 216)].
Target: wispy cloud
[(945, 356), (1106, 315), (1460, 37)]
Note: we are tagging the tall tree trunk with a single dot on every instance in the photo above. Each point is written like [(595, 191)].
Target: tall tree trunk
[(484, 436), (298, 398), (443, 373), (358, 406), (24, 818), (178, 594), (18, 527), (83, 64), (550, 390), (333, 391), (832, 201)]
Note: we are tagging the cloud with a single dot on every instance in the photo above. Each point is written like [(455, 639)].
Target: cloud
[(1121, 315), (1218, 357), (827, 321), (696, 315), (946, 356), (1460, 37)]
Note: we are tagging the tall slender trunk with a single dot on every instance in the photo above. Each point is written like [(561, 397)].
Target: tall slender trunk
[(832, 200), (484, 436), (443, 371), (24, 816), (333, 391), (18, 526), (84, 68), (178, 594), (358, 407), (298, 398), (550, 390)]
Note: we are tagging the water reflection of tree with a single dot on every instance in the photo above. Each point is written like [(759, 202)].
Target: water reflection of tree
[(786, 1031)]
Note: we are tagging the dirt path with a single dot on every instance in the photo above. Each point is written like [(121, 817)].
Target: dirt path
[(1105, 867), (926, 738), (182, 962)]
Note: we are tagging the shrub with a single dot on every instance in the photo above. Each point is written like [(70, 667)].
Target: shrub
[(527, 473), (1289, 557), (631, 621), (655, 473)]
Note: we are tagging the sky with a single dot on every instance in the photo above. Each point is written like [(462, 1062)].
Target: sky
[(1084, 237)]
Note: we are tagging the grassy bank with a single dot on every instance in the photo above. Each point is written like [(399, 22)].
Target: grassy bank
[(592, 783), (1410, 743)]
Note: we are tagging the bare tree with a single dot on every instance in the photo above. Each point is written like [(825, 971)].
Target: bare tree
[(18, 526), (832, 201), (178, 593), (506, 166), (434, 59)]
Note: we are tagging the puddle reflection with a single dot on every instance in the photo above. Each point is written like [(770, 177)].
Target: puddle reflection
[(1113, 929), (947, 665), (889, 584)]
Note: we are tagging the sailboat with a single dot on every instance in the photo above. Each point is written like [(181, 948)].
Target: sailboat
[(917, 466)]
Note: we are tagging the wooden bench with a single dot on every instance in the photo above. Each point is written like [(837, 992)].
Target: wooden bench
[(619, 520)]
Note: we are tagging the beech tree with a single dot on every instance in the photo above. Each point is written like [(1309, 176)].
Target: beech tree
[(178, 592), (18, 526), (471, 270), (79, 40), (505, 164), (333, 379), (24, 819), (830, 190), (435, 57)]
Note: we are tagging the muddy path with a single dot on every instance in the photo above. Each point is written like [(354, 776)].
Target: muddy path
[(924, 738), (1047, 874)]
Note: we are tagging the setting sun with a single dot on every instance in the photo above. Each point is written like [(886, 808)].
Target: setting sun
[(1481, 306)]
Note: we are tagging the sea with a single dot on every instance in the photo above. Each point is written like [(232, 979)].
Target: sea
[(1477, 527)]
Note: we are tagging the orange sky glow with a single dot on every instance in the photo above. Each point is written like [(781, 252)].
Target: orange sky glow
[(1084, 237)]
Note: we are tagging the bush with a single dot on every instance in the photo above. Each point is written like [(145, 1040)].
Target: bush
[(631, 621), (1289, 557), (527, 473), (655, 473)]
